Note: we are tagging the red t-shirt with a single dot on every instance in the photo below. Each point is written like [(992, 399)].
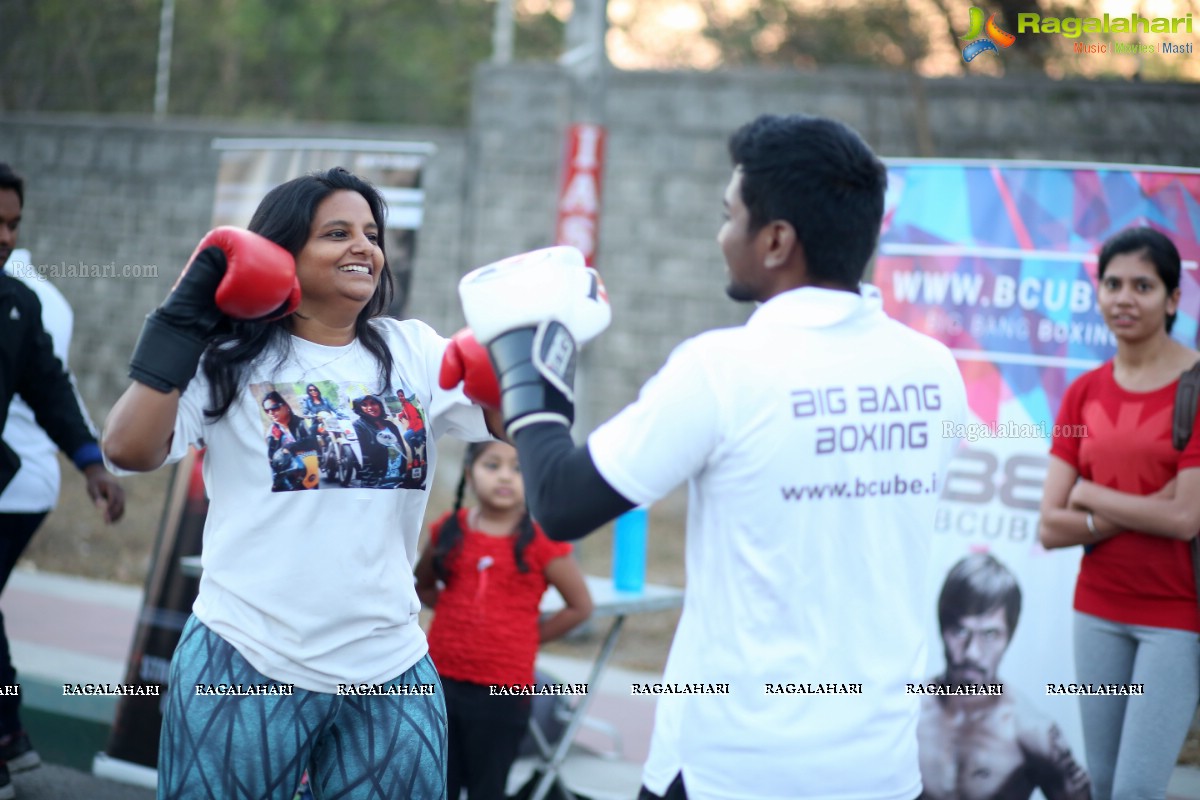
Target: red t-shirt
[(485, 624), (1133, 578), (415, 422)]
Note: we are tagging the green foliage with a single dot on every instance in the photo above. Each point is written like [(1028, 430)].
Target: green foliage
[(921, 36), (411, 61), (785, 33), (65, 55), (383, 61)]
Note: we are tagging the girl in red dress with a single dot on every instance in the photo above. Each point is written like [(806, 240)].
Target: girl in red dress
[(484, 572)]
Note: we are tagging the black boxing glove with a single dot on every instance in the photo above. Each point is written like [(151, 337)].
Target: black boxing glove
[(233, 274)]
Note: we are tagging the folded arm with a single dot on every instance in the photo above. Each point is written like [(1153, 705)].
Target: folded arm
[(1172, 512), (1060, 524)]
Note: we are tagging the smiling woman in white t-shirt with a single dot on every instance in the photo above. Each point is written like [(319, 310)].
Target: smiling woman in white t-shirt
[(268, 681)]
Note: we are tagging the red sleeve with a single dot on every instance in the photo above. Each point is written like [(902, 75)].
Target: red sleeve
[(542, 550), (1063, 444), (1190, 457)]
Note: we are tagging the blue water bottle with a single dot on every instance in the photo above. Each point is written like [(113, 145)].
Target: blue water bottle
[(629, 551)]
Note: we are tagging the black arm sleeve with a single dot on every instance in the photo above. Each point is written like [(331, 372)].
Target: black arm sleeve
[(566, 494), (45, 385)]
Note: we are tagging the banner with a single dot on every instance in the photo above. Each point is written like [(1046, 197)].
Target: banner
[(579, 190), (249, 168), (998, 261)]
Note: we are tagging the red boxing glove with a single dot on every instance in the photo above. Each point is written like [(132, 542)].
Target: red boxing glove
[(467, 362), (260, 276), (233, 274)]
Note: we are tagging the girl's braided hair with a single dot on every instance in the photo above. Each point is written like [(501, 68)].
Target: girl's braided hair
[(451, 536)]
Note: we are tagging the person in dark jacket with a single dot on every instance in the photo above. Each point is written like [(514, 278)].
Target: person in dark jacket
[(30, 369)]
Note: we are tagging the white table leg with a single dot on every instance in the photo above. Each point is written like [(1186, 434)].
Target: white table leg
[(560, 753)]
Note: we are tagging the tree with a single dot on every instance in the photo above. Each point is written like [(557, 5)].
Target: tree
[(61, 55), (925, 37), (786, 33), (406, 61)]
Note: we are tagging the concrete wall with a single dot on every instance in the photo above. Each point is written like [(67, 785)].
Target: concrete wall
[(666, 169), (130, 191)]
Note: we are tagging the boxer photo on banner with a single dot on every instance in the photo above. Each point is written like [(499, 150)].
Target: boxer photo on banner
[(998, 259)]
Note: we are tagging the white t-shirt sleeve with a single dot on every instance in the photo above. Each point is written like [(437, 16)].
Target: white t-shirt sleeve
[(667, 435), (189, 419), (189, 426)]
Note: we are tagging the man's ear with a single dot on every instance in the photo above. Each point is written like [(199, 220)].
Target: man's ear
[(781, 243)]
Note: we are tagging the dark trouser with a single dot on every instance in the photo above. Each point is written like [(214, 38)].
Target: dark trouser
[(15, 532), (674, 792), (484, 734)]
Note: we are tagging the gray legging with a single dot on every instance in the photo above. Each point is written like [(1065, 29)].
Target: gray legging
[(1133, 742)]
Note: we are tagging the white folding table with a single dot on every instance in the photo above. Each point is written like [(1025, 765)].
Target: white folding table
[(607, 601)]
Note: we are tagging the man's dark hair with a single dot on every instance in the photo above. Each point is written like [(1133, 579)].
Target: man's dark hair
[(1154, 248), (979, 584), (819, 176), (11, 180)]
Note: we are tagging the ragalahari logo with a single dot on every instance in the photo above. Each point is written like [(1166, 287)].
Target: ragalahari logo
[(991, 34)]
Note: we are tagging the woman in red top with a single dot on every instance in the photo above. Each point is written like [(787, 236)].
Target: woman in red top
[(493, 564), (1117, 486)]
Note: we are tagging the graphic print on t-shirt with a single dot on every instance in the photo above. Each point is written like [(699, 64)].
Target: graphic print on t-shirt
[(412, 424), (328, 434)]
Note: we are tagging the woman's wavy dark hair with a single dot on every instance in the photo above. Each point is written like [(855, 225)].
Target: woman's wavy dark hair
[(285, 217), (451, 536)]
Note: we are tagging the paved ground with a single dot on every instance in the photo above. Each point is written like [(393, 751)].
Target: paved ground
[(67, 629), (53, 782)]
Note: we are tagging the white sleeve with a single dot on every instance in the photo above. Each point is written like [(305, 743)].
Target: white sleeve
[(189, 427), (667, 435), (189, 419)]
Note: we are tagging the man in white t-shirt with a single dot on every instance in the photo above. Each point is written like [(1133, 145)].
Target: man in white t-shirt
[(810, 442)]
